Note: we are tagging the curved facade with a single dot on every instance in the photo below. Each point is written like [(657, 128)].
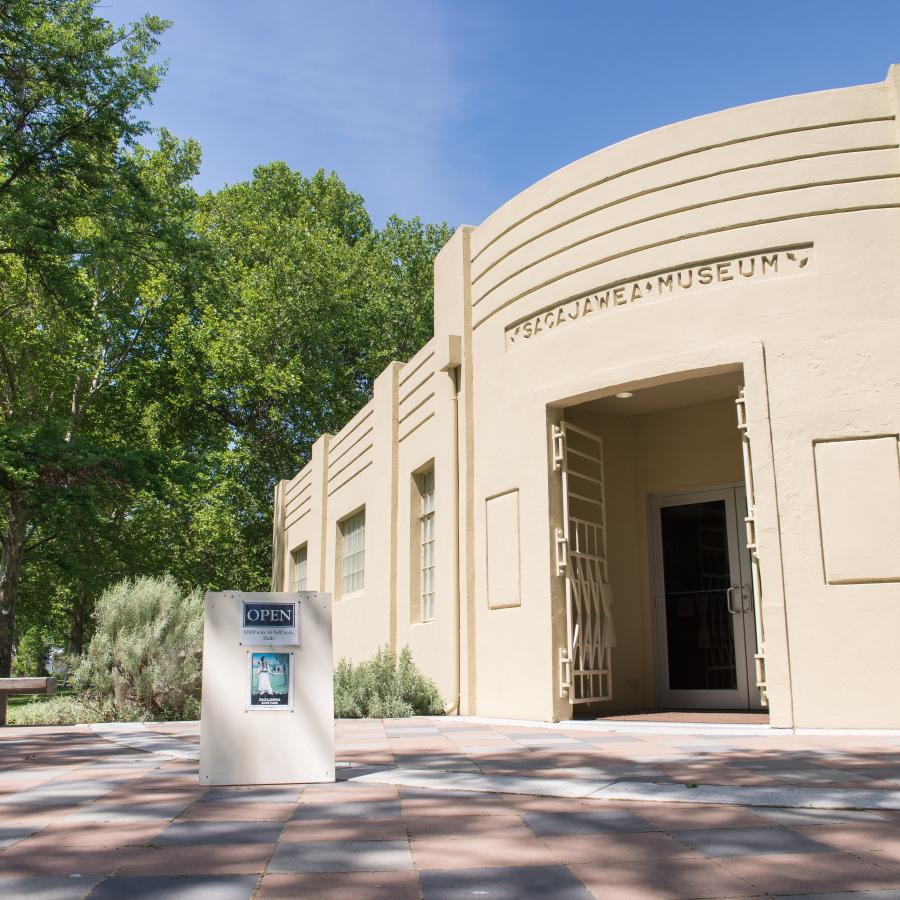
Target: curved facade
[(669, 350)]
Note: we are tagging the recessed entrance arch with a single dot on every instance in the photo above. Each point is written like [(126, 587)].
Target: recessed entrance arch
[(670, 470)]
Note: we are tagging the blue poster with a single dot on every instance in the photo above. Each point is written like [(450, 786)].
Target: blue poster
[(270, 680)]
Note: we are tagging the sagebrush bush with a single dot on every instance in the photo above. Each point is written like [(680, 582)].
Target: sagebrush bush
[(145, 651), (73, 711), (387, 686)]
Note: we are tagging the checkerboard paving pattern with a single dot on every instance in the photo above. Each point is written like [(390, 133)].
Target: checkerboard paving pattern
[(83, 817)]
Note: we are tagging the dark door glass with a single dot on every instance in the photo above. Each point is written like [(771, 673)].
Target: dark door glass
[(697, 574)]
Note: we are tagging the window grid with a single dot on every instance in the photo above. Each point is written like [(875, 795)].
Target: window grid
[(353, 532), (426, 540), (300, 568)]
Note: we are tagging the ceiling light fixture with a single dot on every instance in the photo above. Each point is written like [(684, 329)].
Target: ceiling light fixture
[(624, 395)]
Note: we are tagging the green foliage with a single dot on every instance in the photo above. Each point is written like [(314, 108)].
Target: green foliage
[(387, 686), (146, 649), (70, 84), (31, 653), (72, 710), (95, 245), (165, 358)]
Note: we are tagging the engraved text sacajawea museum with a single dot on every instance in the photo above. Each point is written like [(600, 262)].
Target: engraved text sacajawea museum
[(660, 285)]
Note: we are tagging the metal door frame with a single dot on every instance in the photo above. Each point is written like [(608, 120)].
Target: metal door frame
[(745, 695)]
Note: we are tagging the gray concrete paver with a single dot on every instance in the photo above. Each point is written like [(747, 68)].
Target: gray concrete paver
[(176, 887), (341, 856), (584, 821), (202, 832), (512, 883), (716, 842), (46, 888)]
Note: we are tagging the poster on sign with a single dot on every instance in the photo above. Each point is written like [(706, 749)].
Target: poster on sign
[(270, 622), (269, 682)]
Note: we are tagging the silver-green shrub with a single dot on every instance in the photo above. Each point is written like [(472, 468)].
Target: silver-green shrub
[(146, 649), (67, 710), (387, 686)]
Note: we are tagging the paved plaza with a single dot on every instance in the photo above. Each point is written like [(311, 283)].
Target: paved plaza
[(447, 808)]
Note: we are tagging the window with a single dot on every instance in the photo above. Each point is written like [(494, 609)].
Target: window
[(300, 568), (426, 543), (353, 553)]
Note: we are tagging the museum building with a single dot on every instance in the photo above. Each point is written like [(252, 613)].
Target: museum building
[(649, 459)]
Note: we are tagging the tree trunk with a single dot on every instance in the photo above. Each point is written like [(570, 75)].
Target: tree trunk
[(76, 625), (12, 542)]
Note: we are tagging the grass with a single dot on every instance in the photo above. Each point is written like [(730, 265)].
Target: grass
[(18, 700)]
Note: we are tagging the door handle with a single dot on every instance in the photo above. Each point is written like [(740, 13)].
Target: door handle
[(729, 596)]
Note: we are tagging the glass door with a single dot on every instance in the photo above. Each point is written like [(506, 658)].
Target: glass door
[(703, 601)]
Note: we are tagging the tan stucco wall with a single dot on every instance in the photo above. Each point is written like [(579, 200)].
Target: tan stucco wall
[(569, 293)]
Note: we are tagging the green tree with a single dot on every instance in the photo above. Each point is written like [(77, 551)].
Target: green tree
[(164, 359), (93, 234), (306, 303)]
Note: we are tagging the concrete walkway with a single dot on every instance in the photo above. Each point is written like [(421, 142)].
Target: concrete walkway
[(441, 808)]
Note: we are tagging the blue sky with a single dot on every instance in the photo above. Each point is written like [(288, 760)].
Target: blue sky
[(447, 109)]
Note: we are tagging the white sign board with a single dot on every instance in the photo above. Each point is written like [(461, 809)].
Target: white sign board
[(270, 622), (267, 714)]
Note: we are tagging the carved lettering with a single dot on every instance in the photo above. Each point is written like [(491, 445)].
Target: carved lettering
[(707, 276)]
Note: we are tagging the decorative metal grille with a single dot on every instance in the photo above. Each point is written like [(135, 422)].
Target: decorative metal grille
[(586, 661), (750, 520)]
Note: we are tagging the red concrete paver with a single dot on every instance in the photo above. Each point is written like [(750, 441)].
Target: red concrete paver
[(19, 859), (480, 851), (877, 842), (199, 859), (245, 812), (665, 879), (345, 830), (467, 827), (810, 873), (595, 848), (347, 792), (682, 816), (91, 836)]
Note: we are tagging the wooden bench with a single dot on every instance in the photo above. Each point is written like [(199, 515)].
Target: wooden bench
[(9, 686)]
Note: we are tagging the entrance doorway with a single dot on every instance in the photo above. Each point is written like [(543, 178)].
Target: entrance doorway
[(703, 600)]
